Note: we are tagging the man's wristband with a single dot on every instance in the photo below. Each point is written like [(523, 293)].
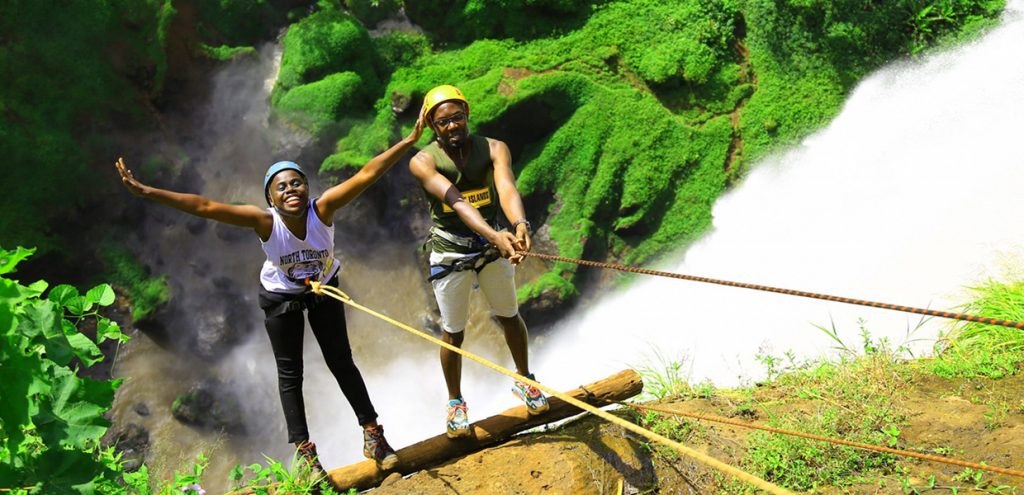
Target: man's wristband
[(523, 221)]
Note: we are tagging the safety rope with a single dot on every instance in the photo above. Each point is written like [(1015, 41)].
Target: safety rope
[(705, 459), (847, 300), (865, 446)]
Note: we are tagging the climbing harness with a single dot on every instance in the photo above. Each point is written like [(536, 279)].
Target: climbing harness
[(826, 297), (482, 254), (705, 459), (474, 262)]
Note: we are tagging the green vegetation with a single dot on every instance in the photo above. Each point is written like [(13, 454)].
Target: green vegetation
[(626, 119), (859, 397), (51, 418), (977, 350), (145, 292), (60, 96), (275, 477)]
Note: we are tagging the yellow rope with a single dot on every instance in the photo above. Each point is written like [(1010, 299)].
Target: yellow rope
[(705, 459)]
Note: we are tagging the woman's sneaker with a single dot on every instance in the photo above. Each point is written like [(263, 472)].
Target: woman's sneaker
[(307, 452), (376, 447), (535, 401), (458, 418)]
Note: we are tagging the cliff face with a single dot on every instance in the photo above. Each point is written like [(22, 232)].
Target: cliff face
[(626, 119)]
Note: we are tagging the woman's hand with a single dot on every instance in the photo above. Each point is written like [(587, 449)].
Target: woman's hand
[(128, 179)]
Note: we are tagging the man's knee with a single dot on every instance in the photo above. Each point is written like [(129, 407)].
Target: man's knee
[(508, 320)]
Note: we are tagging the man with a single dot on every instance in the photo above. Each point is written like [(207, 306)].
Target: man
[(467, 178)]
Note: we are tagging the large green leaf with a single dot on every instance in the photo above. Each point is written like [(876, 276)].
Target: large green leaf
[(62, 293), (22, 379), (67, 472), (85, 349), (78, 305), (72, 413), (102, 294), (37, 318), (7, 325), (10, 259), (43, 322)]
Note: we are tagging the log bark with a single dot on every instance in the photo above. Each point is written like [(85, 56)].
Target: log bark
[(486, 432)]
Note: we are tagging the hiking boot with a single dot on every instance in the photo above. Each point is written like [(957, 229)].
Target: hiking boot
[(458, 419), (535, 401), (307, 452), (376, 447)]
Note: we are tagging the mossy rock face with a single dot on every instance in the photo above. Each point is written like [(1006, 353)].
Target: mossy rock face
[(236, 22), (463, 21), (626, 120), (325, 43), (211, 405), (319, 105)]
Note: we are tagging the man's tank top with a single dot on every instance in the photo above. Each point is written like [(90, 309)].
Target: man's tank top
[(290, 260), (476, 183)]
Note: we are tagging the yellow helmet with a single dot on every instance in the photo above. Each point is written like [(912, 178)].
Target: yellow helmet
[(439, 95)]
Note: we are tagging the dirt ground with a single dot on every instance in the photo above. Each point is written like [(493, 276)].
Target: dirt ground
[(976, 420)]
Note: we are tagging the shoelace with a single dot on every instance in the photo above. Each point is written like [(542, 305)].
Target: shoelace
[(453, 410)]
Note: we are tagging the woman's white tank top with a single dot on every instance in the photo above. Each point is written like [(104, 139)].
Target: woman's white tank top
[(290, 260)]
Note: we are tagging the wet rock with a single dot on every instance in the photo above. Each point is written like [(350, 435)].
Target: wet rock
[(400, 102), (544, 309), (142, 409), (231, 233), (132, 441), (219, 321), (211, 405), (196, 225)]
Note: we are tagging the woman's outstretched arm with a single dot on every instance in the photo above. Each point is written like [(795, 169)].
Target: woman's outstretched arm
[(241, 215), (340, 195)]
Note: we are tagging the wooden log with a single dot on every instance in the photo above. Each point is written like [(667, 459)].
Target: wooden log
[(436, 450)]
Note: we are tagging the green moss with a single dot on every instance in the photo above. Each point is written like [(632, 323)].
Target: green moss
[(326, 42), (318, 106), (549, 282), (225, 52), (463, 21), (398, 49), (146, 293), (236, 22), (65, 77)]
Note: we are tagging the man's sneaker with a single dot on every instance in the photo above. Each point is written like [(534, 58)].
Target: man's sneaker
[(458, 419), (535, 401), (307, 452), (376, 447)]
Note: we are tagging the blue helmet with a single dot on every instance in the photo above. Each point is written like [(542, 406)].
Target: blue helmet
[(276, 169)]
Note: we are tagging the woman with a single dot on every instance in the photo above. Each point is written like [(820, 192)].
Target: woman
[(297, 234)]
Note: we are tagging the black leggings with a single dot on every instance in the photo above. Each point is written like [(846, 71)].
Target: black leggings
[(327, 319)]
